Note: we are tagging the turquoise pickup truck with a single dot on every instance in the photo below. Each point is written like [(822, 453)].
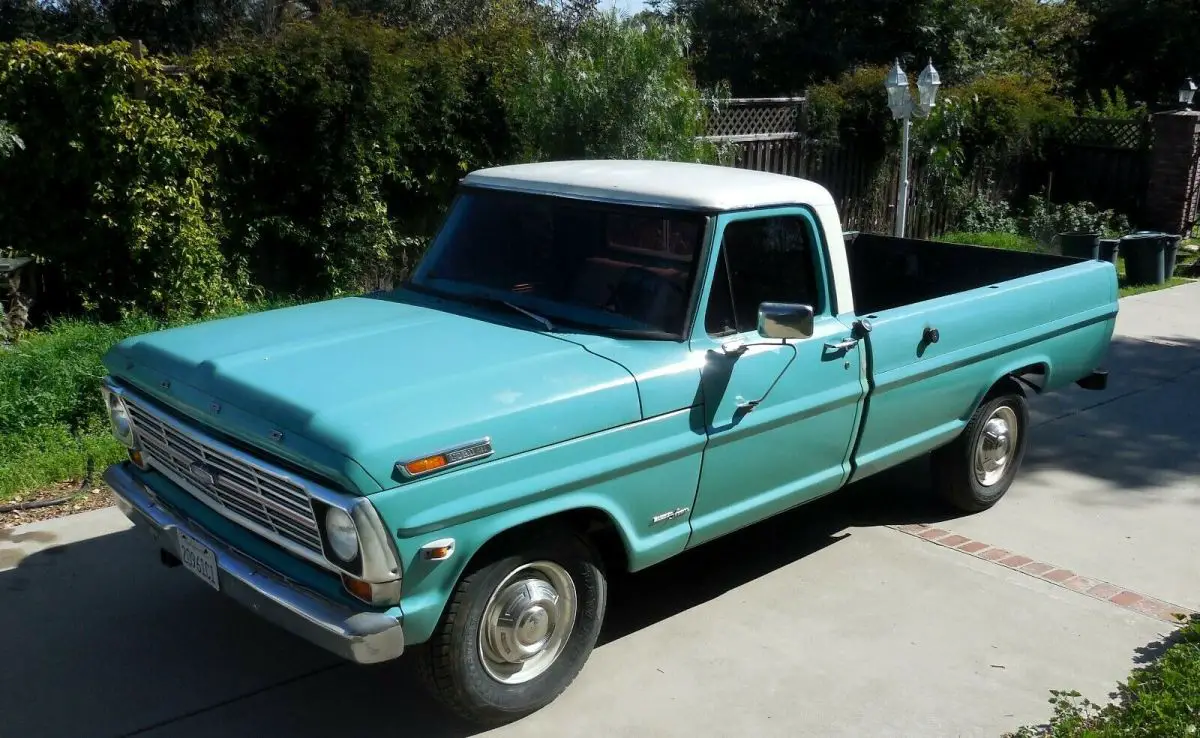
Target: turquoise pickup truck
[(597, 366)]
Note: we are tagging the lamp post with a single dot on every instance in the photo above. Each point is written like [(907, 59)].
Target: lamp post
[(1186, 92), (901, 103)]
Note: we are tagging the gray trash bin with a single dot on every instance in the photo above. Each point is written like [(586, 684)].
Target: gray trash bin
[(1080, 244), (1110, 249), (1145, 257)]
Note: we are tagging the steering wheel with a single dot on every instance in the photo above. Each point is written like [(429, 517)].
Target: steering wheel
[(636, 288)]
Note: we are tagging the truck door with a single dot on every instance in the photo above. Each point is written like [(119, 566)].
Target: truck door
[(780, 415)]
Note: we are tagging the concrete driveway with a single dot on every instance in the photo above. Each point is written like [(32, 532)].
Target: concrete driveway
[(867, 613)]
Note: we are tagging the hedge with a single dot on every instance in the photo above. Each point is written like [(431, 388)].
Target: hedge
[(308, 163), (115, 187)]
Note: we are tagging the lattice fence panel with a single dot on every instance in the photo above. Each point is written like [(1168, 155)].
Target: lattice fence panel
[(1134, 135), (757, 117)]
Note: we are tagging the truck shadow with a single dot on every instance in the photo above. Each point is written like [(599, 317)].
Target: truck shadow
[(98, 639), (1137, 436)]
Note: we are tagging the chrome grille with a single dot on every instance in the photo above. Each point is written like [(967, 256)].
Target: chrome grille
[(230, 485)]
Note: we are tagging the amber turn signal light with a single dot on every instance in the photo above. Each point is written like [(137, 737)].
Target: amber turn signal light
[(136, 457), (422, 466), (357, 587)]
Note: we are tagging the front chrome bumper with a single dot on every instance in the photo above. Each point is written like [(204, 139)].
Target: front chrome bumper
[(362, 637)]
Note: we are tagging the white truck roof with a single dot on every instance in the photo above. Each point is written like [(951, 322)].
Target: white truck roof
[(662, 183)]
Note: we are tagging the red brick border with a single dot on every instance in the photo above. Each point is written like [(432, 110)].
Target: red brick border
[(1094, 588)]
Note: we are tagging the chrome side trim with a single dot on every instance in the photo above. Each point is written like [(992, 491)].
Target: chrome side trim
[(380, 561), (362, 637), (456, 456)]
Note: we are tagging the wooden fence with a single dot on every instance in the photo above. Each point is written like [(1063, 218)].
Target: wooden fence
[(769, 134), (864, 190), (1102, 161), (1105, 162)]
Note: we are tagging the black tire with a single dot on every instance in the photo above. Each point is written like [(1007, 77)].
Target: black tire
[(954, 473), (451, 664)]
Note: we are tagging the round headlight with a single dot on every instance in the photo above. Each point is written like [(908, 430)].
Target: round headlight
[(122, 428), (342, 534)]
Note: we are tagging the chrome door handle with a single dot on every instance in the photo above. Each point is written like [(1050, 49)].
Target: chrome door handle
[(734, 347), (843, 345)]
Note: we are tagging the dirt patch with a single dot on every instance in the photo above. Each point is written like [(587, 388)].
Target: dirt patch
[(77, 500)]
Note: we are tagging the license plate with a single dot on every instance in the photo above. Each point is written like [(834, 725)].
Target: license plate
[(200, 560)]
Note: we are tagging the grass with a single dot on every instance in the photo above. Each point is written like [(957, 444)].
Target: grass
[(1159, 699), (994, 240), (51, 414), (1013, 242), (52, 419)]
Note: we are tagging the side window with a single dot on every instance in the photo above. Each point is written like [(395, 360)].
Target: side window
[(762, 260)]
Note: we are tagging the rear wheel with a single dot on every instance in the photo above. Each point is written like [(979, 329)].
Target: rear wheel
[(975, 470), (518, 630)]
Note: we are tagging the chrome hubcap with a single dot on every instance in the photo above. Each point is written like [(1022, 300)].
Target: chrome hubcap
[(527, 622), (997, 442)]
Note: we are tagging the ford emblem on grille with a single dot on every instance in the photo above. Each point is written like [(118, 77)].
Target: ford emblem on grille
[(203, 473)]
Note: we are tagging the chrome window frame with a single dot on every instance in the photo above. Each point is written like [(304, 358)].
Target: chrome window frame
[(377, 550)]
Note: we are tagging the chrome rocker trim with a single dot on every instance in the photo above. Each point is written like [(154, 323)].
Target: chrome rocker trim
[(361, 637)]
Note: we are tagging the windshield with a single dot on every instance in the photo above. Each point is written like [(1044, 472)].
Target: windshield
[(593, 265)]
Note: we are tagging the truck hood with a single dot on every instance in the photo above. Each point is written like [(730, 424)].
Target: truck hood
[(356, 385)]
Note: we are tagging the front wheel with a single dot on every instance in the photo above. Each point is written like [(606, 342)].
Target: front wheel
[(975, 470), (518, 630)]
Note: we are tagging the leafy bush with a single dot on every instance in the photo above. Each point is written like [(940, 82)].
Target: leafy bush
[(1041, 220), (987, 215), (1112, 105), (1045, 220), (853, 108), (1161, 698), (993, 240), (9, 140), (994, 116), (977, 128), (618, 88), (349, 136), (113, 191)]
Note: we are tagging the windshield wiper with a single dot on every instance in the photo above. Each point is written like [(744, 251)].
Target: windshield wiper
[(543, 320), (482, 300)]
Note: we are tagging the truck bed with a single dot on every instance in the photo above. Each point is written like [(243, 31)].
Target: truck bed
[(888, 272), (940, 338)]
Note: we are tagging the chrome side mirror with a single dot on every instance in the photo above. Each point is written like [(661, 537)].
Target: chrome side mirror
[(785, 320)]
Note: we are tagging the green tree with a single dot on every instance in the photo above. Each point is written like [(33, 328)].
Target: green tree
[(771, 47), (619, 88), (1145, 47)]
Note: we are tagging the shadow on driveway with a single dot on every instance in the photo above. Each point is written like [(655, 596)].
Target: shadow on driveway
[(97, 639), (1141, 433)]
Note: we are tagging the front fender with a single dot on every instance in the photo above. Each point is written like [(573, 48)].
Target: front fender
[(629, 474)]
